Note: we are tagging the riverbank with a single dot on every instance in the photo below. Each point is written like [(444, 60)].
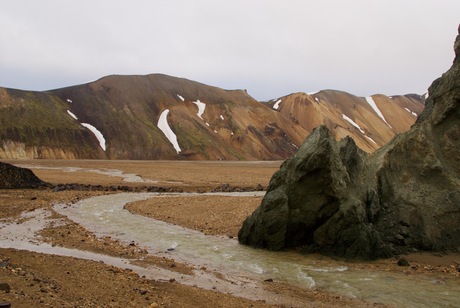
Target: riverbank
[(31, 279), (37, 279), (225, 214)]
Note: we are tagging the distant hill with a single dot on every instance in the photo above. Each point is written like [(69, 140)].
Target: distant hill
[(371, 121), (162, 117)]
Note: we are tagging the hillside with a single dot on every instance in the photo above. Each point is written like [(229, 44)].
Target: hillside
[(371, 121), (162, 117)]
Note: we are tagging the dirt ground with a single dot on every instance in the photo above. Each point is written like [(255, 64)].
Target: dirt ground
[(30, 279), (224, 215), (189, 175)]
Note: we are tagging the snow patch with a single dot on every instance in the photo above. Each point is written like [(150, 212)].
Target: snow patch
[(232, 133), (277, 104), (201, 107), (215, 131), (370, 139), (411, 112), (222, 117), (181, 98), (426, 95), (72, 115), (316, 99), (164, 127), (372, 103), (69, 100), (207, 123), (96, 133), (353, 123)]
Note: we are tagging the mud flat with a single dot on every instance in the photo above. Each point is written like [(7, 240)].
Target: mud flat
[(34, 279), (190, 175)]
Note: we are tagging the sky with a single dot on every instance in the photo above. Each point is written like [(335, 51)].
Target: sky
[(271, 48)]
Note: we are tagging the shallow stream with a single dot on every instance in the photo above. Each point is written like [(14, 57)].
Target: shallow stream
[(105, 215)]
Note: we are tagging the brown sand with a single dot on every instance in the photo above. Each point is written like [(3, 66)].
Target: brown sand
[(40, 280), (190, 175), (224, 215)]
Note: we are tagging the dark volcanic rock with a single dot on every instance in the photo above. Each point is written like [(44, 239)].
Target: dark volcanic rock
[(335, 199), (12, 177)]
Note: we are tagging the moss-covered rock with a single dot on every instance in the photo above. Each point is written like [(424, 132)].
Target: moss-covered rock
[(335, 199)]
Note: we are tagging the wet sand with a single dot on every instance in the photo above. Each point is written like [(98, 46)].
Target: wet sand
[(37, 279)]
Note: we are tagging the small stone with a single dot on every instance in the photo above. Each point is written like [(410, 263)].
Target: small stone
[(268, 280), (5, 287), (172, 280), (142, 291), (403, 262)]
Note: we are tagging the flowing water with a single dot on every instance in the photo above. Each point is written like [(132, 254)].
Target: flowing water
[(105, 215)]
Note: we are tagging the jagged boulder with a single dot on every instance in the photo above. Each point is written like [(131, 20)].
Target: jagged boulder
[(335, 199), (12, 177)]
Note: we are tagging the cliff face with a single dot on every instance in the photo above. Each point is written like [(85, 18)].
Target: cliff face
[(333, 198)]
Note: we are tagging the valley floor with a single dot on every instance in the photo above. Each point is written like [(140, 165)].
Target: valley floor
[(29, 279)]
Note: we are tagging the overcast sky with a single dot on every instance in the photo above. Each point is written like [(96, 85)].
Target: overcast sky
[(271, 48)]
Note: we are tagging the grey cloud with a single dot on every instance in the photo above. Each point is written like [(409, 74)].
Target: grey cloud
[(272, 48)]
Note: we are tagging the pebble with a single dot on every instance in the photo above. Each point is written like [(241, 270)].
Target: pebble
[(142, 291), (403, 262), (5, 287)]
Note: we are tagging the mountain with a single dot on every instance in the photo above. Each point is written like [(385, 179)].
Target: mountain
[(371, 121), (162, 117), (334, 198)]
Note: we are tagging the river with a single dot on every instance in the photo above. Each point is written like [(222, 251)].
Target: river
[(244, 266)]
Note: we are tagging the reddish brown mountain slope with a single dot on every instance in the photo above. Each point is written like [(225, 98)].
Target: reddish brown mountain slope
[(162, 117), (343, 113)]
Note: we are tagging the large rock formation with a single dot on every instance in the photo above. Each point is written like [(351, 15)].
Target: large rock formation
[(333, 198), (12, 177)]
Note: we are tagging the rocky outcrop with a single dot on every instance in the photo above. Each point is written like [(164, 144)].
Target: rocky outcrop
[(333, 198), (12, 177)]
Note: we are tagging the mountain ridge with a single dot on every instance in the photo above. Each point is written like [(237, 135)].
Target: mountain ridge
[(118, 117)]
